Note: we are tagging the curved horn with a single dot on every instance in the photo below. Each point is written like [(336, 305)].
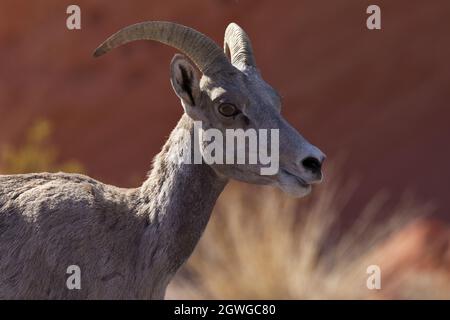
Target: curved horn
[(238, 46), (204, 52)]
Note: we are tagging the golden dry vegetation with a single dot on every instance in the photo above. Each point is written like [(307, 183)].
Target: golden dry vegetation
[(260, 244)]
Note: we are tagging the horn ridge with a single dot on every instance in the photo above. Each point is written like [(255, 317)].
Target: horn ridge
[(203, 51), (238, 45)]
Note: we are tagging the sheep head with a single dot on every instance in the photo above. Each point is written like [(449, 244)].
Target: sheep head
[(230, 93)]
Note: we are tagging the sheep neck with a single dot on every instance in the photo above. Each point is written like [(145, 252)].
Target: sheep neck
[(177, 199)]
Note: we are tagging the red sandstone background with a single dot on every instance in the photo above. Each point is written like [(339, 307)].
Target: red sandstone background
[(377, 99)]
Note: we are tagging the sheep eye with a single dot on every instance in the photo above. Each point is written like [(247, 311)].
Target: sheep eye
[(228, 110)]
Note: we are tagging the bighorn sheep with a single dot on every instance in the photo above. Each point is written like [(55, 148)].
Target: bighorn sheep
[(129, 243)]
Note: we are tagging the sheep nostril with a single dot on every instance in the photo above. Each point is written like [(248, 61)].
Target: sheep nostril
[(312, 164)]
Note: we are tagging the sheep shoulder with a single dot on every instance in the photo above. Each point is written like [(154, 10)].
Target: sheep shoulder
[(51, 221)]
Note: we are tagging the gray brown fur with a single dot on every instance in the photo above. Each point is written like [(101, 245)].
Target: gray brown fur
[(129, 243)]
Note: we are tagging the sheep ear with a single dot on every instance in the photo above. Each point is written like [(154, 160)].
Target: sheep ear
[(185, 81)]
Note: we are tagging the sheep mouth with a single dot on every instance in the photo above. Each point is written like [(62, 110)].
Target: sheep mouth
[(300, 181)]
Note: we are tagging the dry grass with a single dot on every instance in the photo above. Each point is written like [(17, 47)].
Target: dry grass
[(35, 154), (261, 244)]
